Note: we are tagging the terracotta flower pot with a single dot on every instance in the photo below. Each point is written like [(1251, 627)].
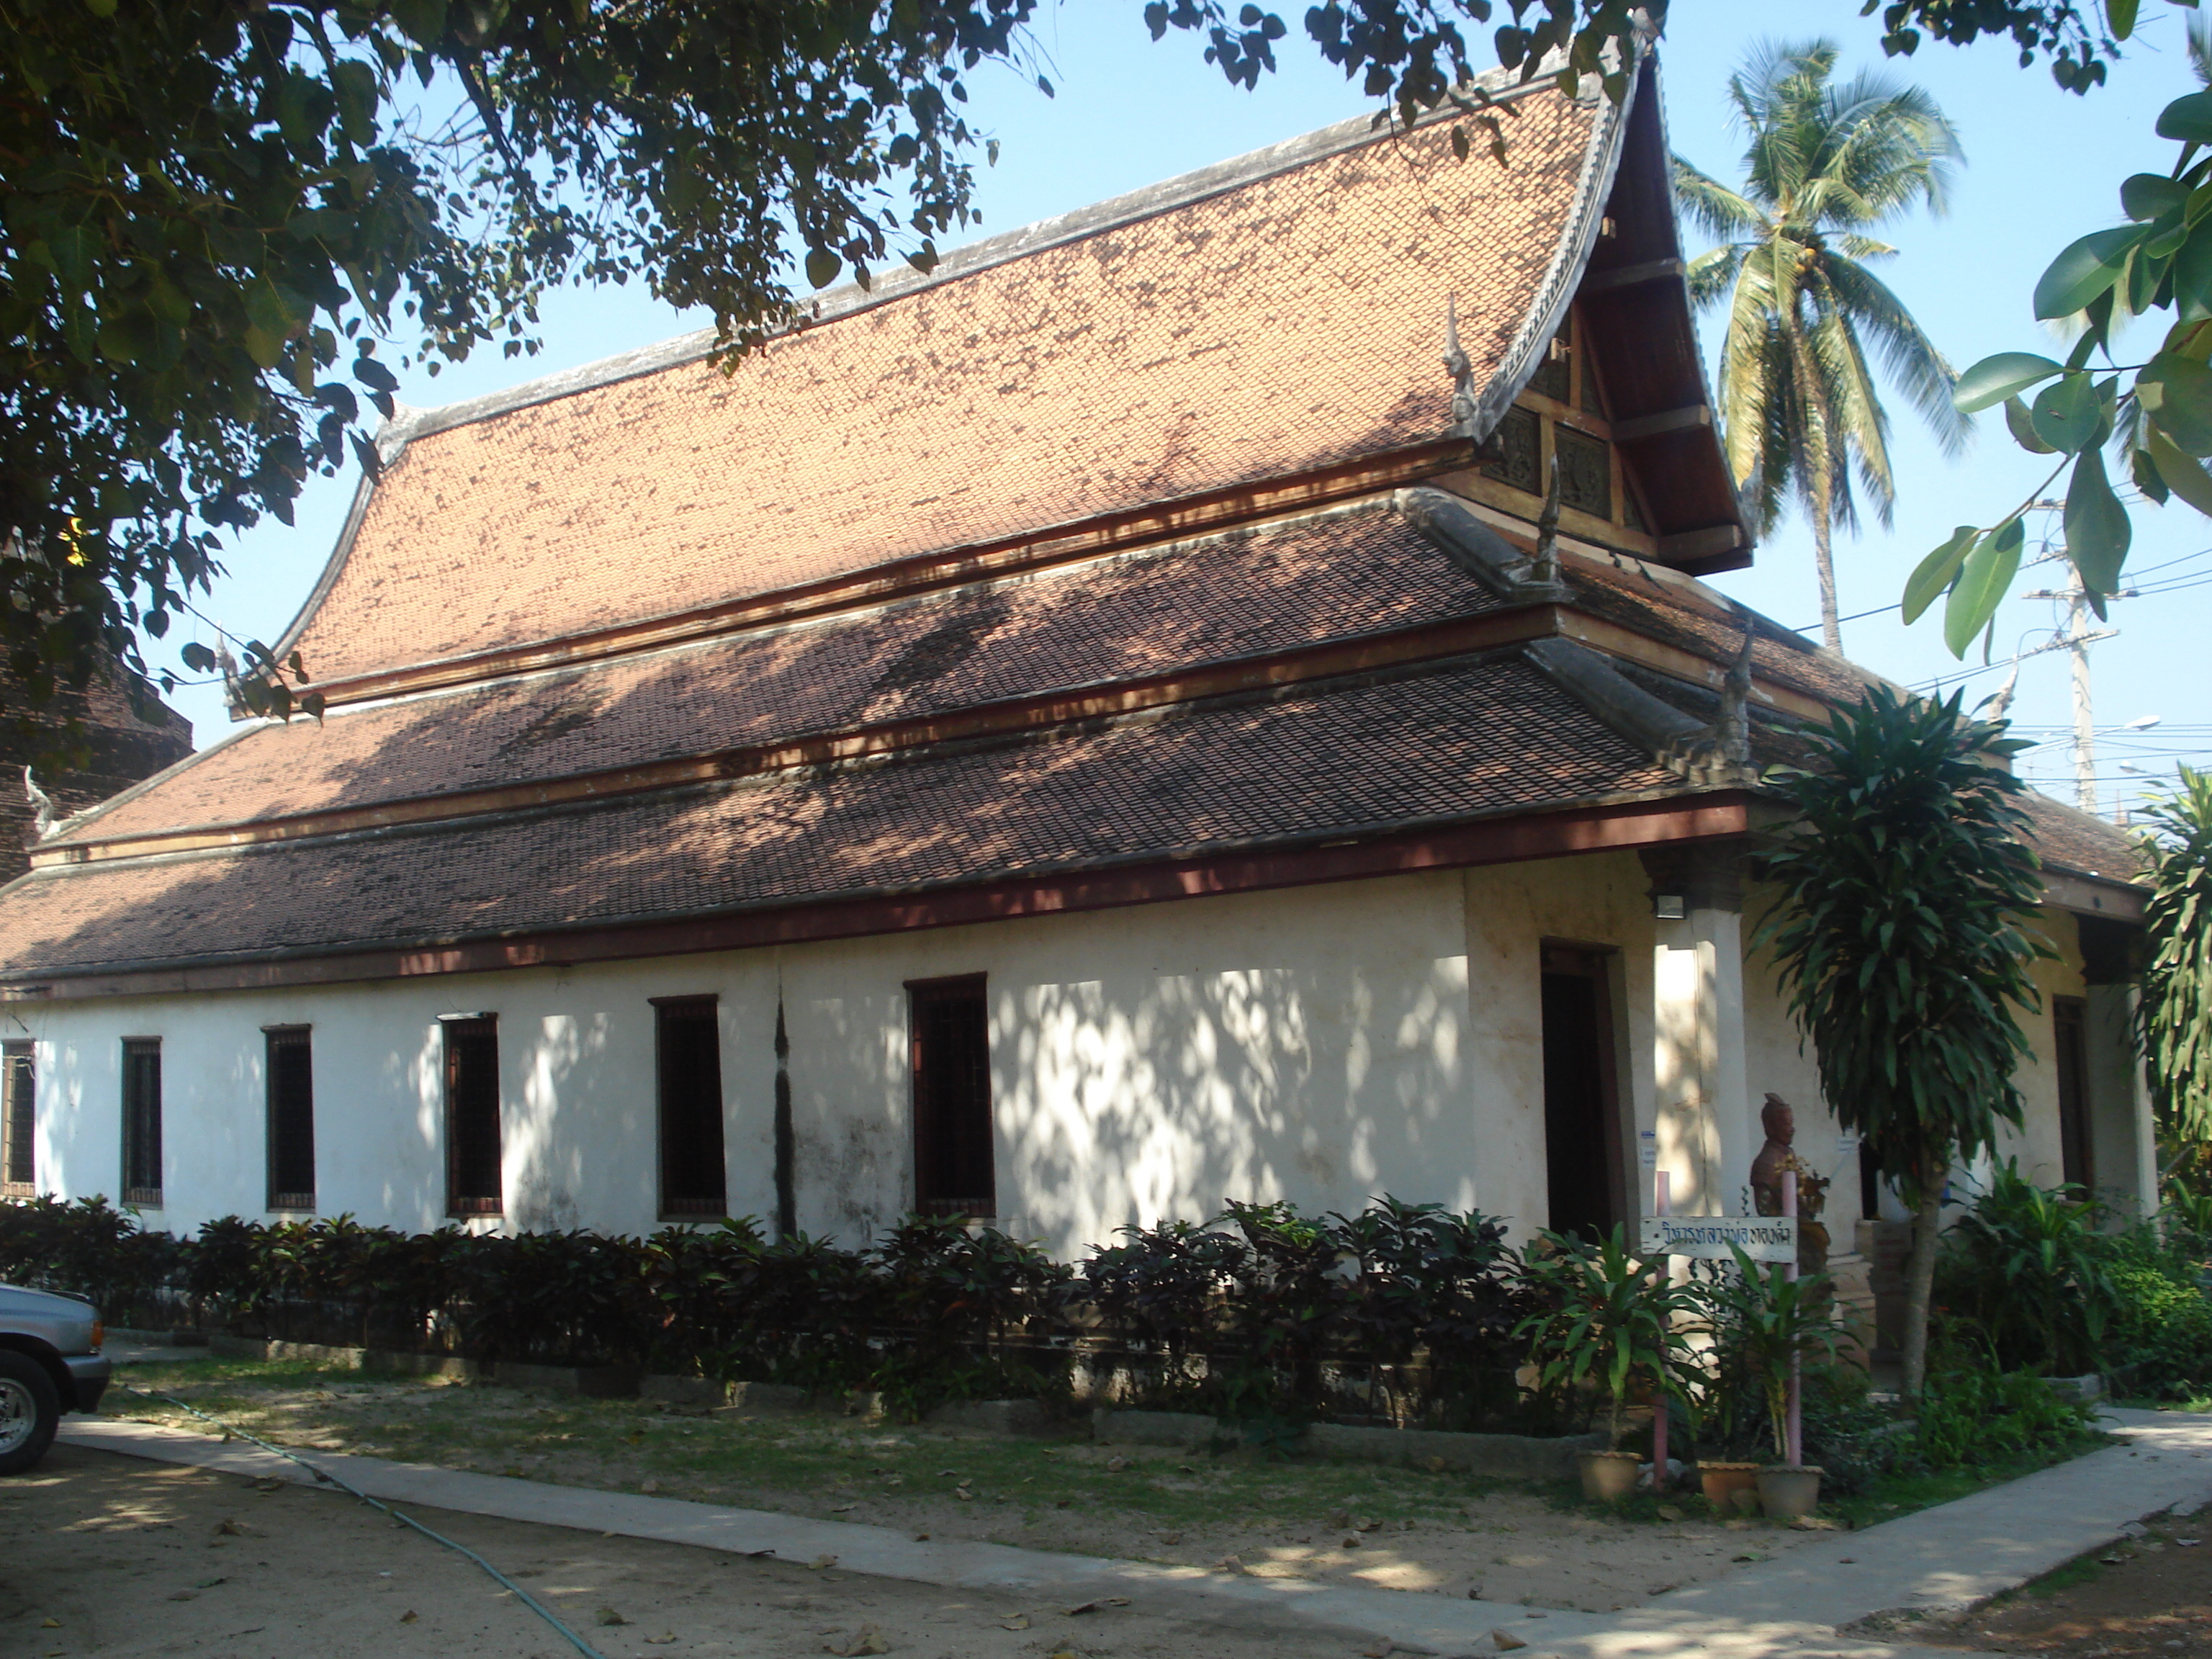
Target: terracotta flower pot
[(1608, 1476), (1787, 1491), (1722, 1481)]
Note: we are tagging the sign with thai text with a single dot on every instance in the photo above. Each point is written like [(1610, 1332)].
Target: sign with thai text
[(1707, 1238)]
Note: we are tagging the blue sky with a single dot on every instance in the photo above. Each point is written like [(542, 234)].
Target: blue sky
[(2042, 168)]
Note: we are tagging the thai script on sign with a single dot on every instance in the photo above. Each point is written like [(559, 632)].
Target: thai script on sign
[(1707, 1238)]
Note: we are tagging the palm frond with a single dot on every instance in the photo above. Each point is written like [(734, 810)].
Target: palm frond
[(1712, 275), (1861, 425), (1720, 212), (1908, 355)]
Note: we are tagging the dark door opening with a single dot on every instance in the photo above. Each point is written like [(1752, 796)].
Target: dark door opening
[(1582, 1112), (2069, 1021)]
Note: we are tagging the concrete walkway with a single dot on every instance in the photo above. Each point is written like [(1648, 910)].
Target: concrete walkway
[(1947, 1557)]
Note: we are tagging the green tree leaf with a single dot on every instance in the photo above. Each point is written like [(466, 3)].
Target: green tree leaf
[(1935, 574), (1993, 379), (2145, 196), (2097, 528), (2192, 268), (2085, 269), (2180, 473), (823, 266), (2176, 393), (353, 81), (2188, 118), (423, 20), (1985, 577), (2022, 428), (2067, 415)]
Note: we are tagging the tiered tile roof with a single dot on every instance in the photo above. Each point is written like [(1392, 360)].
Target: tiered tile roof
[(1070, 576)]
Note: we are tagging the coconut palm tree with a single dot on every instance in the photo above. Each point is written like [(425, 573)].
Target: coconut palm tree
[(1825, 164)]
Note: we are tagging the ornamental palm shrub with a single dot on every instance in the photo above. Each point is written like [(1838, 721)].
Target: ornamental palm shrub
[(1608, 1319), (2031, 1266), (1765, 1327), (1903, 882), (2175, 1008)]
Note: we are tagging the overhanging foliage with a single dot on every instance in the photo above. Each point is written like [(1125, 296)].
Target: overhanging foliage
[(2177, 991)]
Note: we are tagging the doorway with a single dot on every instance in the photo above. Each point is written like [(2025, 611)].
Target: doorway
[(1581, 1101)]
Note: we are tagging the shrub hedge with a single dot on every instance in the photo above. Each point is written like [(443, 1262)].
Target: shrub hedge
[(1402, 1311)]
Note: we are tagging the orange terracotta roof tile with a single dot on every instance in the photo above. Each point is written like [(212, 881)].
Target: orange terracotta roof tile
[(1453, 741), (1338, 574), (1289, 322)]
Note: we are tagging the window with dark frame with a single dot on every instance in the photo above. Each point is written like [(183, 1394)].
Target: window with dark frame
[(2070, 1022), (688, 1051), (951, 1057), (291, 1086), (141, 1122), (19, 1121), (472, 1152)]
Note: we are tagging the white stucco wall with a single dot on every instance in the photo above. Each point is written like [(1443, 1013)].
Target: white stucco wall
[(1325, 1044)]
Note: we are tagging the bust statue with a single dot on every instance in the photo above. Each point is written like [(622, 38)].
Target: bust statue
[(1777, 1155)]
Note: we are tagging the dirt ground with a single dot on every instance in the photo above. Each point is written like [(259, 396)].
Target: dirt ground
[(2151, 1596), (101, 1554), (1407, 1529)]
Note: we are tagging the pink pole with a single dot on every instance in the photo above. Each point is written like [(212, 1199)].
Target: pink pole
[(1797, 1429), (1659, 1195)]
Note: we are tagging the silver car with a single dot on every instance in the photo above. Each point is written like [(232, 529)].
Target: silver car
[(49, 1363)]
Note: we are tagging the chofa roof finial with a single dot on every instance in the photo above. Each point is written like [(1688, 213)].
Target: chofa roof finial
[(1458, 365), (42, 805), (1546, 566), (1732, 731)]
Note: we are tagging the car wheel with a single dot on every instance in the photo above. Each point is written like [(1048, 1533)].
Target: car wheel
[(30, 1411)]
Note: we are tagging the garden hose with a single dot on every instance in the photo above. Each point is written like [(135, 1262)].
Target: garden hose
[(330, 1480)]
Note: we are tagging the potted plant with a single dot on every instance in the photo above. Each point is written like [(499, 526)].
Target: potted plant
[(1608, 1319), (1775, 1324), (1723, 1400)]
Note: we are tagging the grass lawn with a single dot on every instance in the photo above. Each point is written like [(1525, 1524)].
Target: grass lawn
[(1535, 1544)]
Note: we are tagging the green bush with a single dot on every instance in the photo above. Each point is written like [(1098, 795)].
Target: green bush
[(2028, 1265), (1268, 1317), (2162, 1332), (1972, 1414), (2038, 1278), (1263, 1314)]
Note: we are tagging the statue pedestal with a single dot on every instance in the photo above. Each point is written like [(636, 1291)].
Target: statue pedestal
[(1852, 1275)]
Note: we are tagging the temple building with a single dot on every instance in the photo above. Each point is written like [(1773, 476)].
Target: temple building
[(1210, 697)]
